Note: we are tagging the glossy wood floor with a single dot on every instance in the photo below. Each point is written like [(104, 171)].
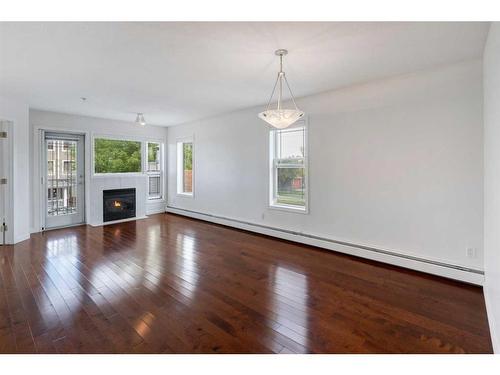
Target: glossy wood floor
[(169, 284)]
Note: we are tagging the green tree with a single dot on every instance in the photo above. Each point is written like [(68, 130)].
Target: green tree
[(116, 156), (286, 176), (188, 156), (153, 149)]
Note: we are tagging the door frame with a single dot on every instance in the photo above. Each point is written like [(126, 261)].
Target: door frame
[(8, 167), (42, 193)]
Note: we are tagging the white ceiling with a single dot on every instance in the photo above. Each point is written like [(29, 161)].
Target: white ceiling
[(178, 72)]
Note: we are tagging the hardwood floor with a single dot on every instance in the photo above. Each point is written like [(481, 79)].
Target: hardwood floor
[(169, 284)]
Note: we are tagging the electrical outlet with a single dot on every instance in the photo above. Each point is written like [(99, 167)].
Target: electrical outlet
[(470, 252)]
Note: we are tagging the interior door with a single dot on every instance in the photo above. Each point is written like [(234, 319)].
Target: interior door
[(64, 182)]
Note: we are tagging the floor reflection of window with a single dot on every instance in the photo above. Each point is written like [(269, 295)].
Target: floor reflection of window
[(152, 261), (290, 303), (188, 272), (58, 277)]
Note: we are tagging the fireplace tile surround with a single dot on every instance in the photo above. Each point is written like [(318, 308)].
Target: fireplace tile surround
[(99, 184)]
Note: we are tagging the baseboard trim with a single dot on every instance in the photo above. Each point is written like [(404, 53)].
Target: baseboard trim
[(451, 271), (158, 210), (118, 221), (21, 238)]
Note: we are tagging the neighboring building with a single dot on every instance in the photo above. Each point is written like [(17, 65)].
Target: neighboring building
[(61, 177)]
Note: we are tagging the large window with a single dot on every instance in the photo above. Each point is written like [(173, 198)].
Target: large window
[(117, 156), (288, 173), (185, 168), (153, 169), (129, 156)]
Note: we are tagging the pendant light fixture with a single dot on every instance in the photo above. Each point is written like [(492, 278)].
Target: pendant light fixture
[(280, 117), (140, 119)]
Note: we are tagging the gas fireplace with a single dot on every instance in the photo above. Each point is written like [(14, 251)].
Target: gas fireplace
[(118, 204)]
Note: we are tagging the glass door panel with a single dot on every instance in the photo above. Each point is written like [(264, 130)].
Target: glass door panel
[(64, 180)]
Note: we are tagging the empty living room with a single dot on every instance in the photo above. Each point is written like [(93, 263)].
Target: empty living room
[(196, 179)]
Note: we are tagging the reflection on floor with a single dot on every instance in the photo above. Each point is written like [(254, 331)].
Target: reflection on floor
[(169, 284)]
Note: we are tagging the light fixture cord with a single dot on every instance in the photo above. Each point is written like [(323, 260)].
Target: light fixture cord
[(272, 93), (281, 75), (291, 94)]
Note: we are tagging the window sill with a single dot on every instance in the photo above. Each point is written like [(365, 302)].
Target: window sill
[(289, 208), (185, 195), (156, 200), (107, 175)]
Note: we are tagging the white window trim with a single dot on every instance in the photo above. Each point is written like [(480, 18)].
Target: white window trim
[(116, 138), (179, 165), (160, 173), (272, 184)]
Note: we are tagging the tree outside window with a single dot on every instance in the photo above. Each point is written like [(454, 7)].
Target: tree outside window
[(117, 156)]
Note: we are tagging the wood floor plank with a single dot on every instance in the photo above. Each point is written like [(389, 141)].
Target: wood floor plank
[(169, 284)]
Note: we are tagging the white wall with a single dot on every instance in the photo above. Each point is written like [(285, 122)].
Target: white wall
[(492, 181), (18, 113), (394, 164), (90, 126)]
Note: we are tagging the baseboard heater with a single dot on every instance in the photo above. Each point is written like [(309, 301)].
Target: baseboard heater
[(453, 271)]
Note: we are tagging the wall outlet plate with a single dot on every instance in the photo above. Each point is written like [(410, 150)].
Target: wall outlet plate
[(471, 252)]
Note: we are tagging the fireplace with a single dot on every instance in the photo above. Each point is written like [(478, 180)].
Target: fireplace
[(118, 204)]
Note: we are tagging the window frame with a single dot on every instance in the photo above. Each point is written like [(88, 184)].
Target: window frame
[(117, 138), (149, 173), (179, 167), (273, 168)]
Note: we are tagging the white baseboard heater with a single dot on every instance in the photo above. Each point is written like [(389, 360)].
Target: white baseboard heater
[(452, 271)]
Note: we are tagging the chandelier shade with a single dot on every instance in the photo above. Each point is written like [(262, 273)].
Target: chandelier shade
[(280, 117)]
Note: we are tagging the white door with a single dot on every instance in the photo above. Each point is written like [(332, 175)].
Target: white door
[(64, 179)]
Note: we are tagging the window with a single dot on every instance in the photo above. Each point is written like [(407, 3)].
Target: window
[(52, 193), (288, 174), (185, 168), (117, 156), (68, 166), (50, 168), (153, 157), (129, 156), (153, 170)]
